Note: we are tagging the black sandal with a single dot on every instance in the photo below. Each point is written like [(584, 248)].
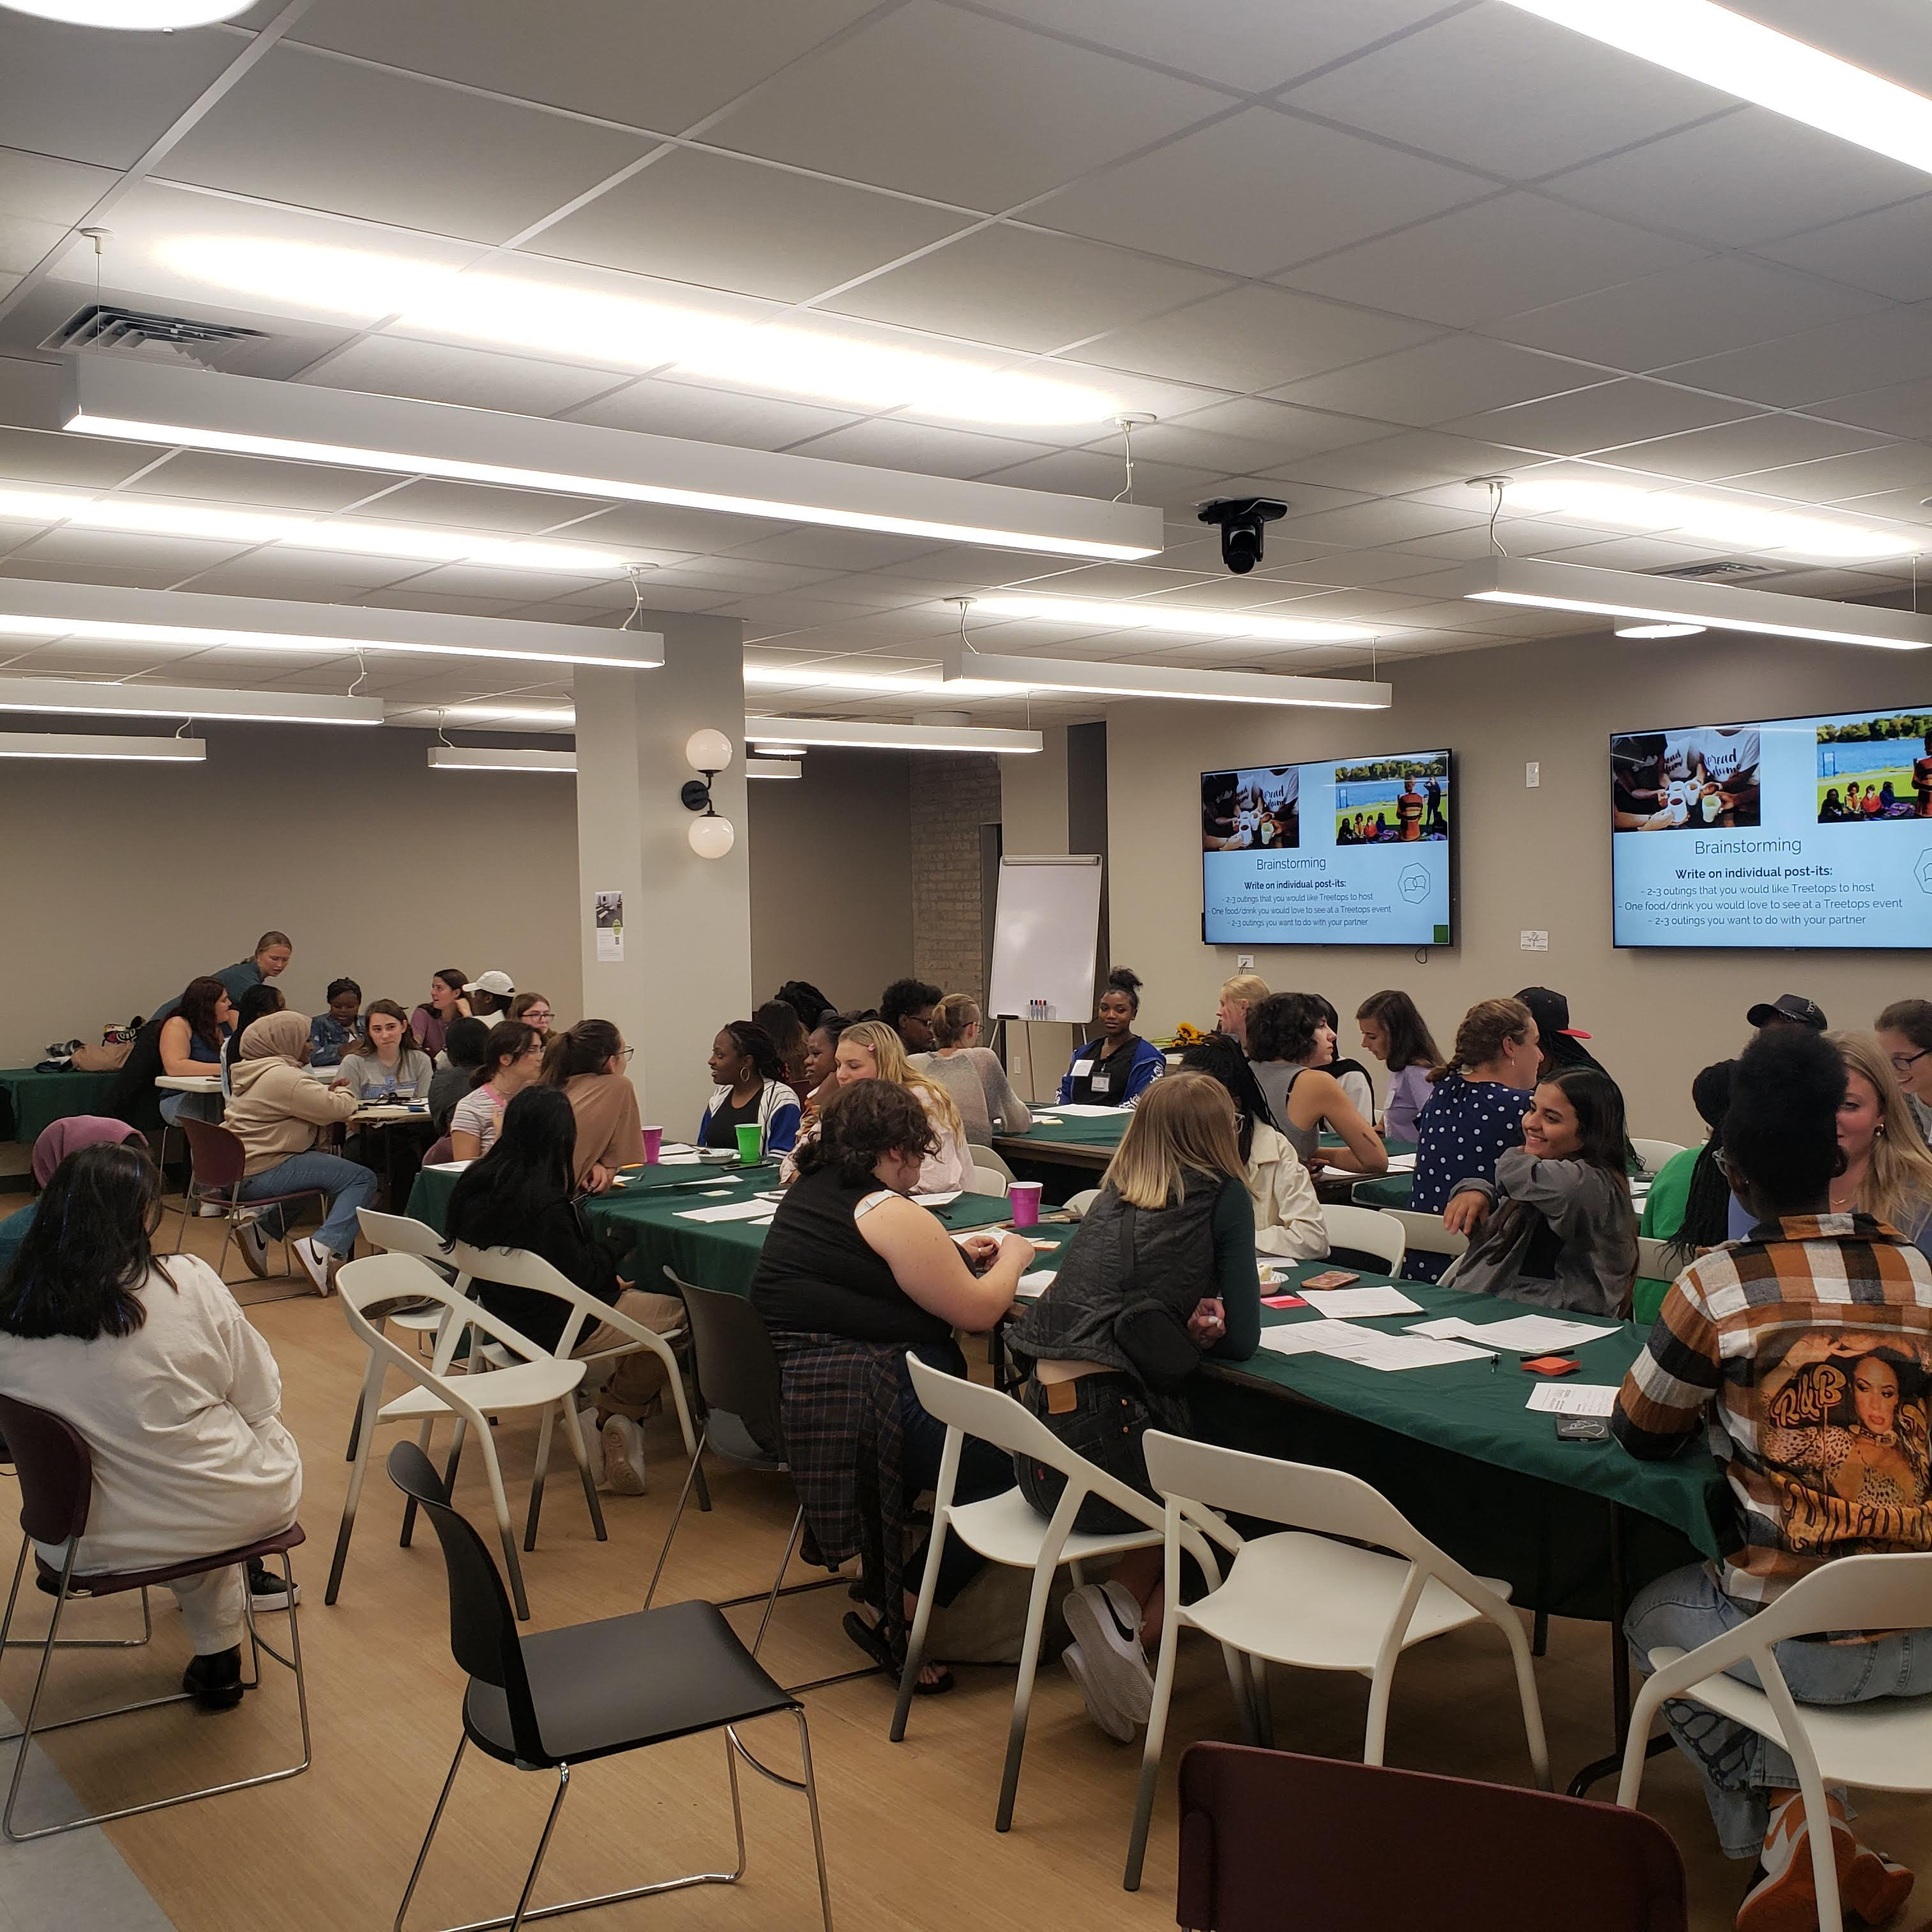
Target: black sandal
[(878, 1643)]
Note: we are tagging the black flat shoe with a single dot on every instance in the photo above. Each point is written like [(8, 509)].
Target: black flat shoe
[(880, 1645), (214, 1682)]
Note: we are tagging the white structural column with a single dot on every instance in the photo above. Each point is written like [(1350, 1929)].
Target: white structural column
[(687, 938)]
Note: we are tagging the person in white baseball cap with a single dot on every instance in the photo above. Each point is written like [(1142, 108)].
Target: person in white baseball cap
[(489, 993)]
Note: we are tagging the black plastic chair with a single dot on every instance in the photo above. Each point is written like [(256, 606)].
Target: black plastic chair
[(741, 1388), (560, 1697)]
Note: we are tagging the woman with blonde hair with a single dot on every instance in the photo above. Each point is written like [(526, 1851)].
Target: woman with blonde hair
[(1237, 995), (871, 1050), (1160, 1272), (971, 1073), (1887, 1167)]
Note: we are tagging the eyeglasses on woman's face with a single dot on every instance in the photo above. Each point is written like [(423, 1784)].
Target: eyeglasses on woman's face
[(1903, 1063)]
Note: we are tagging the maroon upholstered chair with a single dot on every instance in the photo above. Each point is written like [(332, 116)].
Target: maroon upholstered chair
[(217, 1160), (56, 1475), (1271, 1838)]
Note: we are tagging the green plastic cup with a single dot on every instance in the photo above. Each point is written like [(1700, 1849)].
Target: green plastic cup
[(751, 1145)]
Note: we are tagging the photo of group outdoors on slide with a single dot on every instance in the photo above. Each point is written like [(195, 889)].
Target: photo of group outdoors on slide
[(1396, 800), (1870, 769), (1251, 810), (1703, 776)]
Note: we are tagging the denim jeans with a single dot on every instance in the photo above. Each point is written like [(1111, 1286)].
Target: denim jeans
[(195, 1106), (346, 1187), (1739, 1768)]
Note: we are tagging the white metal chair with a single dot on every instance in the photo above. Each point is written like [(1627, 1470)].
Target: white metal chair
[(1426, 1234), (1077, 1205), (398, 1234), (518, 1267), (1365, 1230), (1654, 1154), (985, 1181), (1007, 1529), (984, 1156), (538, 1381), (1885, 1745), (1310, 1595)]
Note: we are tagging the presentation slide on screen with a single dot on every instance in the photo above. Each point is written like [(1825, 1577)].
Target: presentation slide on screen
[(1351, 853), (1797, 832)]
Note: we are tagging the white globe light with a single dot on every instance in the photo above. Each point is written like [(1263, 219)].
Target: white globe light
[(712, 838), (142, 16), (708, 750)]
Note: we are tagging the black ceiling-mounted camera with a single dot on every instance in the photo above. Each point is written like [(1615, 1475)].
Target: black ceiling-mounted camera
[(1241, 519)]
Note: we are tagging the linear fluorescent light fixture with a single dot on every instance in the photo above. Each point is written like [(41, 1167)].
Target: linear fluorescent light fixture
[(494, 758), (1752, 62), (1155, 615), (197, 409), (866, 735), (113, 612), (77, 744), (1216, 687), (912, 684), (1543, 586), (773, 768), (61, 695)]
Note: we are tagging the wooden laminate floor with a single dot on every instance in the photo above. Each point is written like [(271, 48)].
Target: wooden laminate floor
[(908, 1827)]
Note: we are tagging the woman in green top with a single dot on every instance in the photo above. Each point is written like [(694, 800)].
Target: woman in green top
[(1688, 1205)]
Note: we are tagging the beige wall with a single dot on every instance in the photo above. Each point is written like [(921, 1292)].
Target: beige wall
[(1536, 860)]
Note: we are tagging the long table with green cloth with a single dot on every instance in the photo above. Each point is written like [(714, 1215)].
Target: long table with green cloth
[(31, 1101)]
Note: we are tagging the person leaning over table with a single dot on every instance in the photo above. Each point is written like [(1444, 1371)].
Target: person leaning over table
[(1395, 1033), (1291, 1044), (520, 1195), (56, 1141), (588, 1062), (1802, 1354), (1556, 1226), (512, 1059), (1160, 1271), (191, 1039), (852, 1275), (1116, 1065), (278, 1113), (270, 959), (1288, 1216), (971, 1073), (431, 1020)]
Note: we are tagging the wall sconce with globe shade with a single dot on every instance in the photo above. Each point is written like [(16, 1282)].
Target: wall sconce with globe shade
[(707, 752)]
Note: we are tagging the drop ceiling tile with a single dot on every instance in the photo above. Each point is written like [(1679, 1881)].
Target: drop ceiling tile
[(318, 133), (853, 551), (665, 406), (722, 223), (1453, 376), (1695, 310), (40, 198), (1498, 258), (1888, 251), (965, 109), (660, 64), (1025, 289), (893, 445), (1355, 569), (1390, 520), (1499, 89), (1563, 544), (1187, 199), (1610, 415), (439, 372), (89, 660), (1080, 473), (660, 526), (1744, 178), (258, 482), (1248, 437), (37, 456), (1414, 460), (1252, 338), (1254, 45), (1902, 409), (308, 576), (79, 94), (160, 560), (739, 577), (1807, 365), (1758, 442), (503, 588), (1836, 479), (480, 506)]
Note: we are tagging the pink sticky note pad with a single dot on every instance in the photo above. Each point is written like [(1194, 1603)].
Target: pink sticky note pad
[(1282, 1301)]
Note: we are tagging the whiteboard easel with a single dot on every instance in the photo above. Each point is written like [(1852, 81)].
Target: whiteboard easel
[(1046, 927)]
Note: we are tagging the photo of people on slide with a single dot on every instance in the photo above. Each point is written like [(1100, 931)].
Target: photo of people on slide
[(1697, 777), (1251, 810), (1398, 801), (1870, 769)]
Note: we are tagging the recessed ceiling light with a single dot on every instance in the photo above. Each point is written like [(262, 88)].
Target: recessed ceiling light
[(625, 331), (78, 745), (1136, 680), (866, 734), (149, 517), (782, 750), (1740, 57), (1710, 519), (133, 15), (1660, 630), (1155, 615), (75, 697), (196, 408)]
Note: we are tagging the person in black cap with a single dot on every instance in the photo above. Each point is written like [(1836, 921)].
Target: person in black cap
[(1562, 1044), (1787, 1009)]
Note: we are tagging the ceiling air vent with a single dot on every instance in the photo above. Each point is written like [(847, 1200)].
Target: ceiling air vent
[(130, 331), (1722, 570)]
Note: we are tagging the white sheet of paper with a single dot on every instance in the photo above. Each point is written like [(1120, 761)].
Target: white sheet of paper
[(1573, 1399), (753, 1209), (1368, 1348), (938, 1200), (1401, 1163), (446, 1166), (1032, 1286), (1084, 1113), (1339, 1303), (1047, 1120), (1296, 1338), (1523, 1334)]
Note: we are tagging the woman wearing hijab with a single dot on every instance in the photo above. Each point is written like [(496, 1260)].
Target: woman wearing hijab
[(278, 1113), (56, 1142)]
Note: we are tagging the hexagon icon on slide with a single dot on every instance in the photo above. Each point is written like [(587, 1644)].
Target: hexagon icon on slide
[(1922, 872), (1414, 883)]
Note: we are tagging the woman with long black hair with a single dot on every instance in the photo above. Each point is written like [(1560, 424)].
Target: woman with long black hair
[(176, 1397), (1689, 1204), (1393, 1030)]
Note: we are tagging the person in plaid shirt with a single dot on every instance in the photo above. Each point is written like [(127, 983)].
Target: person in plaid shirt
[(1805, 1351)]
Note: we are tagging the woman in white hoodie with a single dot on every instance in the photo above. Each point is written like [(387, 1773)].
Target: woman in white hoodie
[(278, 1113), (1288, 1216)]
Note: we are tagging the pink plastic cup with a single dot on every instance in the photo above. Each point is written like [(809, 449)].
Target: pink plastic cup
[(653, 1141), (1024, 1197)]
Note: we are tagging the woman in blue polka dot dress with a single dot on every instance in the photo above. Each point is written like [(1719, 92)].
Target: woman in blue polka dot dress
[(1475, 1113)]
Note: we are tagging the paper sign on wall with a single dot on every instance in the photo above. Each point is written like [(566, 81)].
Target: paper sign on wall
[(608, 912)]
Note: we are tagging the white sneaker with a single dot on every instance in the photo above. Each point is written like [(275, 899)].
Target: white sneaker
[(250, 1238), (1103, 1714), (623, 1443), (1104, 1621), (318, 1263), (211, 1210)]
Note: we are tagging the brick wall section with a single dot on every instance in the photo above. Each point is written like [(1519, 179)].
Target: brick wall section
[(953, 795)]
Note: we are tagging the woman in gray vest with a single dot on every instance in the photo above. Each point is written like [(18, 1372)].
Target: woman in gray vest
[(1161, 1271)]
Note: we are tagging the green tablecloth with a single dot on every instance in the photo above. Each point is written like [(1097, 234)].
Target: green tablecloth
[(30, 1102), (1101, 1130)]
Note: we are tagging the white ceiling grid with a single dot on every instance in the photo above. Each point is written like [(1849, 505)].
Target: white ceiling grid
[(1351, 253)]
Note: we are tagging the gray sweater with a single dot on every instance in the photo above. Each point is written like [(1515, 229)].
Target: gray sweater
[(1588, 1266), (980, 1090)]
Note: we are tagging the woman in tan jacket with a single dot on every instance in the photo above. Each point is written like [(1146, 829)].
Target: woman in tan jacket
[(278, 1113), (588, 1063)]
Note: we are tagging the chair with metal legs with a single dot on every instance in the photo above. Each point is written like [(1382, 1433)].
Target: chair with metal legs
[(217, 1165), (562, 1697), (398, 1234), (56, 1475)]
